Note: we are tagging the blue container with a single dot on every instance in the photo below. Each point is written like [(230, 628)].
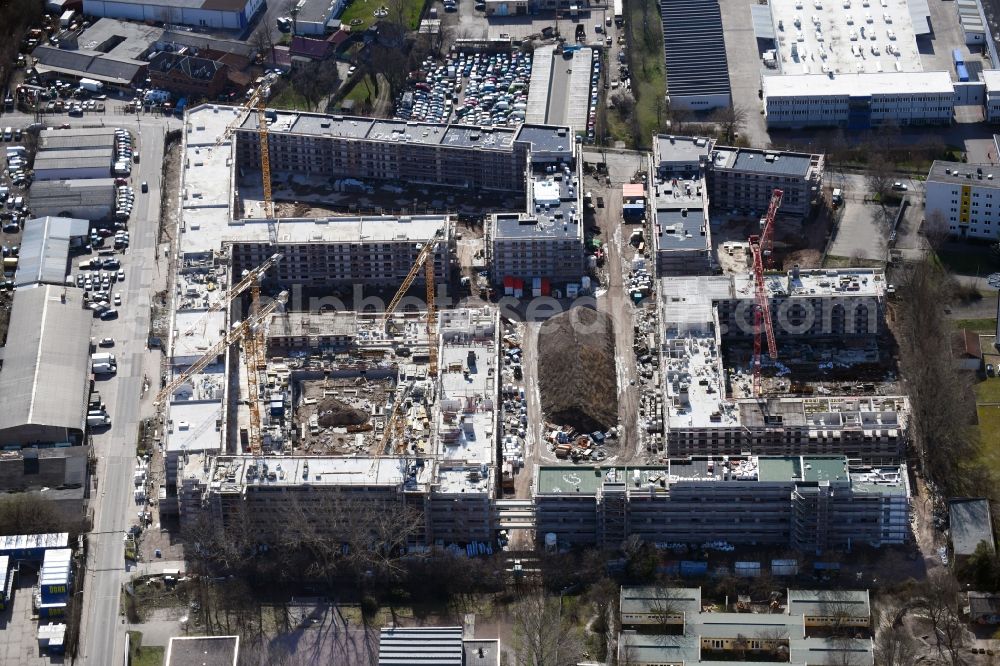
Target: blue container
[(690, 568), (962, 71)]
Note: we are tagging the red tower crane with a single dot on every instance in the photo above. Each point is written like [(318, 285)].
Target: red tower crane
[(761, 247)]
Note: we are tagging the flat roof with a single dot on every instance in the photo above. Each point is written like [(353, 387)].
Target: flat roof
[(823, 34), (680, 229), (794, 470), (195, 331), (805, 468), (961, 173), (846, 85), (854, 282), (654, 598), (543, 139), (202, 651), (694, 48), (192, 425), (314, 11), (671, 150), (47, 360), (776, 163), (125, 39), (33, 541), (526, 226), (317, 470), (970, 524), (820, 603)]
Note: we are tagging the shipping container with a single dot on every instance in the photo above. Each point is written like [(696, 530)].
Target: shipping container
[(690, 568)]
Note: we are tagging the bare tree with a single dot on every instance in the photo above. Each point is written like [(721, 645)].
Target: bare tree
[(940, 600), (264, 42), (666, 609), (730, 120), (879, 177), (894, 646), (935, 229), (623, 101), (542, 636), (940, 423), (315, 80)]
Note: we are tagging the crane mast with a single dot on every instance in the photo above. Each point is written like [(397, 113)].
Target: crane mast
[(761, 250), (258, 101), (425, 259)]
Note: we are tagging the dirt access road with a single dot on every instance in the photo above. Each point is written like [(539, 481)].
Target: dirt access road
[(612, 296)]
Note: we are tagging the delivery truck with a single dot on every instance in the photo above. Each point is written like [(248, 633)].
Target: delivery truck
[(90, 85), (98, 421)]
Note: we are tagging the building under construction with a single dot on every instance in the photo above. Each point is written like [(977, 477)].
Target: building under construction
[(832, 319), (341, 380), (298, 417)]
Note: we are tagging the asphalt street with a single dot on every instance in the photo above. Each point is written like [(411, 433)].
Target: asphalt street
[(102, 638)]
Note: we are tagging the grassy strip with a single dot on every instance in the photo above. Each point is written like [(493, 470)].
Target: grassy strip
[(143, 656)]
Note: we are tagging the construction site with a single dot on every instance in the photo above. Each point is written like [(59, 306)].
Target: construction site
[(779, 363)]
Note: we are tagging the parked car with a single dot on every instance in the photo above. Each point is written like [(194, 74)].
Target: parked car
[(106, 342)]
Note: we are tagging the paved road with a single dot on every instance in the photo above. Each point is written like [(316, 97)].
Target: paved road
[(115, 509), (102, 634)]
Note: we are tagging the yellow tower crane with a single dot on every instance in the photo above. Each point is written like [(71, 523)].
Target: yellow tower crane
[(425, 260), (258, 101), (245, 332), (252, 277)]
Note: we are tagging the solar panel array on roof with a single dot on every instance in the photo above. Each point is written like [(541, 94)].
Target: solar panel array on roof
[(694, 48)]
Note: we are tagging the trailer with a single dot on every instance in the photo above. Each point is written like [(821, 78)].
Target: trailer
[(91, 85)]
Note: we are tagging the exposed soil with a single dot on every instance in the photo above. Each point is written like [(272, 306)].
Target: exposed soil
[(333, 414), (576, 370)]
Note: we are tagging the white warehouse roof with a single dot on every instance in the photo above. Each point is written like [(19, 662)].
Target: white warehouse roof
[(858, 85)]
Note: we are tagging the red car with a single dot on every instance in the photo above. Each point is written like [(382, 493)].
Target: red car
[(121, 181)]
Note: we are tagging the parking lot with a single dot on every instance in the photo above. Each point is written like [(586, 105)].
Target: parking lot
[(478, 88)]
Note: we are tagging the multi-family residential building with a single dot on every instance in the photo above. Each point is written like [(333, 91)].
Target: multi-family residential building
[(337, 251), (964, 199), (806, 503), (546, 242), (681, 234), (666, 626), (341, 147), (744, 178), (858, 100), (709, 410), (693, 176), (442, 475)]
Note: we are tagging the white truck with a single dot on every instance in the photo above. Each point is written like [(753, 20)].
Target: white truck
[(98, 420), (103, 357), (156, 96), (90, 85), (104, 369)]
